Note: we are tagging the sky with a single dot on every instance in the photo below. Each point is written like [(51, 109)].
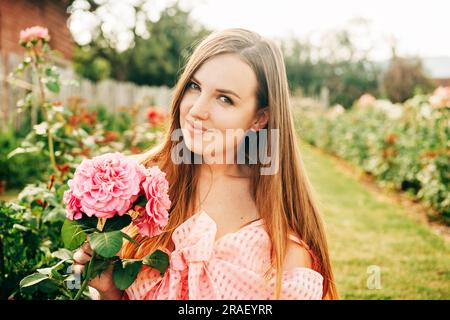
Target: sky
[(417, 27)]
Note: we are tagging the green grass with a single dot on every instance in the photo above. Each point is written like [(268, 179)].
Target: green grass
[(362, 231)]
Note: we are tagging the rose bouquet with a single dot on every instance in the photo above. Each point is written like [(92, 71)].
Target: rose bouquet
[(108, 193)]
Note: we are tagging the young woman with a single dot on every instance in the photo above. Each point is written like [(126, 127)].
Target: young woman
[(235, 231)]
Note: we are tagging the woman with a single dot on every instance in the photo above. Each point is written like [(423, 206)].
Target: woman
[(237, 230)]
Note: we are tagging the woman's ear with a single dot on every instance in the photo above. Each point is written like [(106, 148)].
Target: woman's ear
[(261, 119)]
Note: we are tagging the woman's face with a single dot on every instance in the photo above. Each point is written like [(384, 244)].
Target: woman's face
[(218, 107)]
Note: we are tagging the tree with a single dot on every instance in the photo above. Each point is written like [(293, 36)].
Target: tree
[(151, 61), (158, 59), (336, 64), (404, 77), (301, 71)]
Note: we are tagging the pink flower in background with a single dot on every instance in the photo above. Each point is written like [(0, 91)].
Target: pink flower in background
[(34, 33), (155, 217), (441, 97), (105, 186), (366, 100)]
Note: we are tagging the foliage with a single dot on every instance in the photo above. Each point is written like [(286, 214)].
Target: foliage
[(30, 227), (407, 150), (347, 75), (404, 78), (16, 172), (153, 60), (90, 66), (29, 232), (106, 242)]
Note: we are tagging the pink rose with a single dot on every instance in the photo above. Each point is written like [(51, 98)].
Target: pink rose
[(107, 185), (155, 217), (34, 33), (73, 206)]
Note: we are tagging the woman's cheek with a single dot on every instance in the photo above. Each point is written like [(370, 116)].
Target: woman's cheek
[(185, 106)]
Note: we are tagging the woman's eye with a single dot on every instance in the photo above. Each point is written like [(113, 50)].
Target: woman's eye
[(193, 85), (226, 99)]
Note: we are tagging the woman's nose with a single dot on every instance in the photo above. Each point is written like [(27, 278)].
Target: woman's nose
[(200, 109)]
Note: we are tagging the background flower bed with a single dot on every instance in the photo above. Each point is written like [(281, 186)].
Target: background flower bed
[(404, 146), (96, 123)]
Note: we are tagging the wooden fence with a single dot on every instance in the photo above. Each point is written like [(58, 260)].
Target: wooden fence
[(112, 94)]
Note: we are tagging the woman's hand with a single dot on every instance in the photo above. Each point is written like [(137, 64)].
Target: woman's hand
[(103, 283)]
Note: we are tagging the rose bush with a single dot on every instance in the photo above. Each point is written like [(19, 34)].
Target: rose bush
[(405, 147)]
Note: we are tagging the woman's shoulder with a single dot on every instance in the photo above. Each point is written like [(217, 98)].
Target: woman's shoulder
[(299, 254)]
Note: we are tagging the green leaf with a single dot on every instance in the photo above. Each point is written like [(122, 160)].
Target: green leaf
[(158, 260), (125, 272), (117, 223), (53, 86), (63, 254), (20, 227), (48, 286), (45, 47), (49, 271), (21, 150), (37, 281), (99, 265), (32, 280), (106, 244), (141, 201), (72, 234), (88, 222), (48, 71)]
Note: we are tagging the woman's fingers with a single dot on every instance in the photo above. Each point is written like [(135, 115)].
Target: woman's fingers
[(77, 268), (87, 248), (81, 257)]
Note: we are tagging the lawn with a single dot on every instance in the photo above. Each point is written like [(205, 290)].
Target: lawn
[(364, 230)]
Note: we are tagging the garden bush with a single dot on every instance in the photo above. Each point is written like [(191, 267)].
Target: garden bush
[(404, 146), (18, 171)]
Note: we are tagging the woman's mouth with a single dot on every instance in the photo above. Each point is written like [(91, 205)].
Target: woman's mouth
[(195, 128)]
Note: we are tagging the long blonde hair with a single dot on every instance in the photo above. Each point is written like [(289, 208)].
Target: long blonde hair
[(291, 205)]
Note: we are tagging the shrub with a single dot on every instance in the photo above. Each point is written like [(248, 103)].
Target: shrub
[(406, 147)]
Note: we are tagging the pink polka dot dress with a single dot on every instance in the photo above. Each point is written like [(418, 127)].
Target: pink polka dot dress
[(231, 267)]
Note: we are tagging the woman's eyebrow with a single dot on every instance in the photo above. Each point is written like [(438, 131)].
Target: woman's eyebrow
[(219, 90)]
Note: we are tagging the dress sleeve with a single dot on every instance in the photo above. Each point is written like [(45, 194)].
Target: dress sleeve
[(147, 279), (302, 283)]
